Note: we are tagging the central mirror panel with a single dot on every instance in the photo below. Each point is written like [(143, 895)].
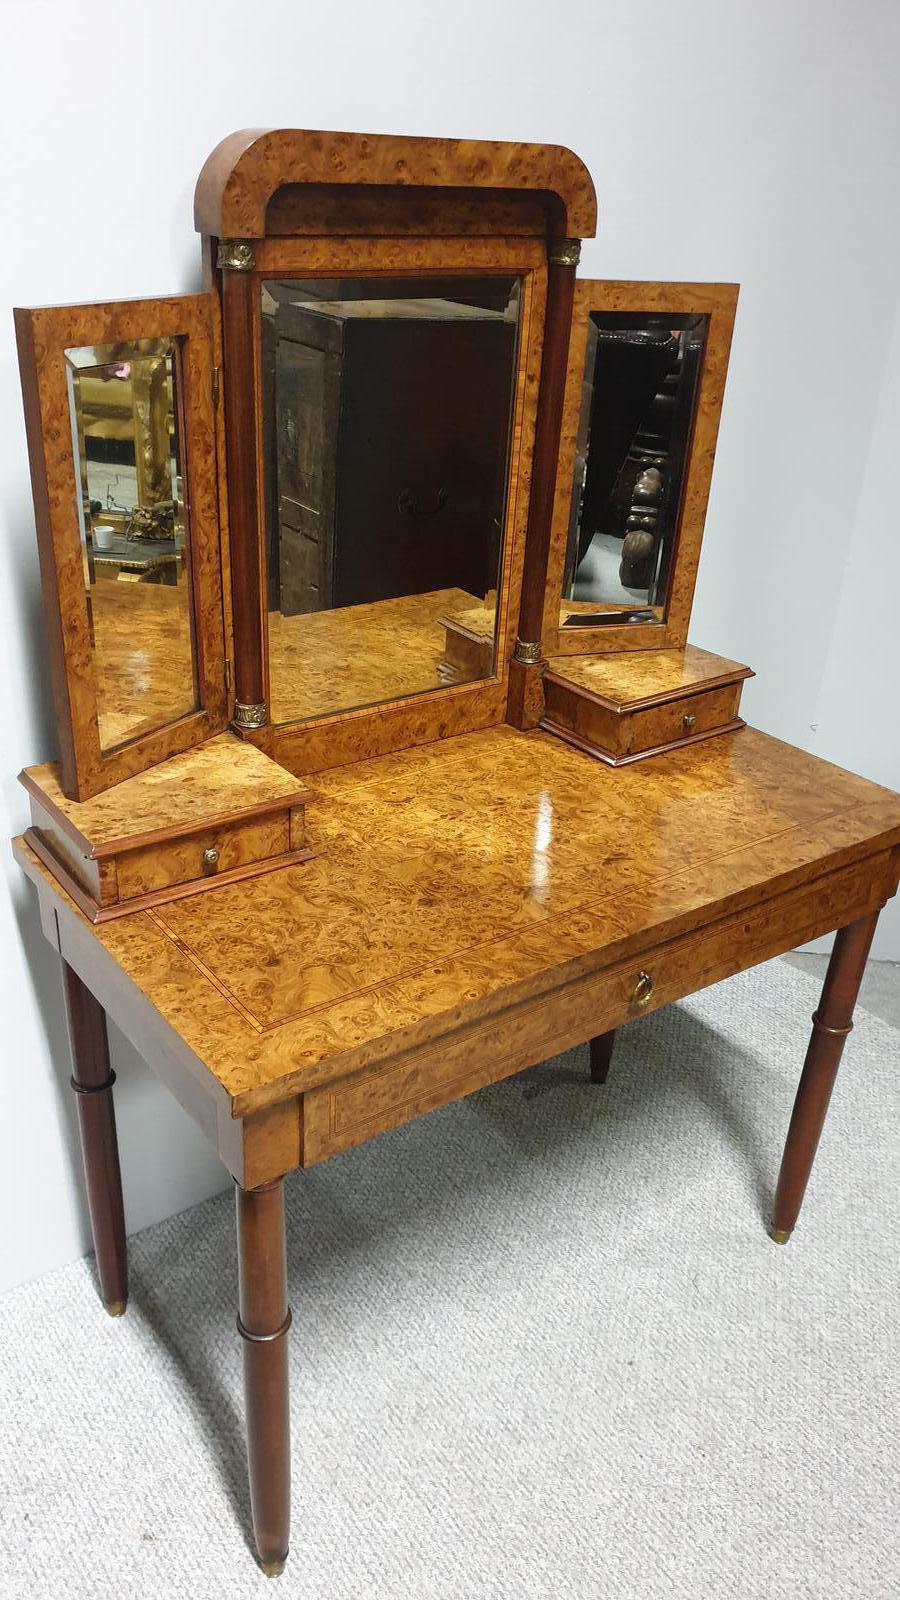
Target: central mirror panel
[(387, 406), (637, 413)]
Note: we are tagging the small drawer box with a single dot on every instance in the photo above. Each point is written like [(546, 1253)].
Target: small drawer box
[(622, 707), (215, 814)]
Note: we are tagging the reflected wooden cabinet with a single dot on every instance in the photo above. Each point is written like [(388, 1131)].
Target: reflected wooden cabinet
[(406, 776), (385, 415)]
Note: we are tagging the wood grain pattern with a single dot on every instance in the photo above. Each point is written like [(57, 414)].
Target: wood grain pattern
[(70, 877), (146, 837), (43, 335), (636, 680), (622, 707), (376, 211), (222, 780), (142, 657), (560, 298), (158, 866), (341, 1115), (355, 656), (245, 171), (719, 302), (243, 472), (457, 881)]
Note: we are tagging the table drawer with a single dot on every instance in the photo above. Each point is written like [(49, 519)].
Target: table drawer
[(681, 719), (201, 855), (620, 734), (350, 1110)]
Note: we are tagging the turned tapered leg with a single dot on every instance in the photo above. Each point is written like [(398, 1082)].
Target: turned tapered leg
[(831, 1024), (92, 1080), (601, 1056), (263, 1324)]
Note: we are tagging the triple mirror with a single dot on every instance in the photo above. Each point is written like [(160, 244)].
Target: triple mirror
[(363, 451)]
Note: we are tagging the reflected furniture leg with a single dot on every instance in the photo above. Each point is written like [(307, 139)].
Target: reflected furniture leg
[(92, 1079), (263, 1323), (831, 1024), (601, 1055)]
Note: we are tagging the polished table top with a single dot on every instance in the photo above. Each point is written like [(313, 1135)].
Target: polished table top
[(457, 876)]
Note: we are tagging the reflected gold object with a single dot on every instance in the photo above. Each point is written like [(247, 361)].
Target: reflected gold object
[(642, 993)]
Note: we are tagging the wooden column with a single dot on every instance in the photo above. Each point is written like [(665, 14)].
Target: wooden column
[(92, 1080), (240, 287), (601, 1055), (831, 1024), (263, 1324), (562, 256)]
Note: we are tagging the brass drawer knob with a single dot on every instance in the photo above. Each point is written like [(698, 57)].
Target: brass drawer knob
[(689, 722), (642, 993), (210, 859)]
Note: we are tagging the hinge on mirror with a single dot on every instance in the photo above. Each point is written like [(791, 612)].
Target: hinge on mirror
[(215, 386), (227, 673)]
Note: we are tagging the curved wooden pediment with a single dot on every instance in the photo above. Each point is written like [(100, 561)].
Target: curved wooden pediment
[(243, 173)]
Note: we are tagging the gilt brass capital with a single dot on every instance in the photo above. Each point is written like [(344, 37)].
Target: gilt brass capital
[(250, 716), (564, 252), (235, 255), (529, 654)]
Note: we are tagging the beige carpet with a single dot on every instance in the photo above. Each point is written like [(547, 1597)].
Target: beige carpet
[(543, 1347)]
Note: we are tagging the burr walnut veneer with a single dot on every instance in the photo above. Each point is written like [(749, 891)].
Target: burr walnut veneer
[(623, 707), (527, 814)]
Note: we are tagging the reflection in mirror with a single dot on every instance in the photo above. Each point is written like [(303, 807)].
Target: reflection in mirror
[(387, 406), (134, 534), (640, 388)]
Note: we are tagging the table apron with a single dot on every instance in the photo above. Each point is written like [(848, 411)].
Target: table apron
[(347, 1111)]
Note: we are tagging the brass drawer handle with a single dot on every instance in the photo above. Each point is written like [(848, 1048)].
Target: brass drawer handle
[(210, 859), (642, 993)]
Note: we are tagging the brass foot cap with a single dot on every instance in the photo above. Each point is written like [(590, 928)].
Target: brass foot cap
[(780, 1235), (115, 1308), (274, 1569)]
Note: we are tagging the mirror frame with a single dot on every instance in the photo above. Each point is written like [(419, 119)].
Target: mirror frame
[(718, 301), (479, 702), (43, 336), (296, 202)]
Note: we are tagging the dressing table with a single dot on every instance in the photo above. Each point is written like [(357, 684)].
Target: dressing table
[(394, 772)]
